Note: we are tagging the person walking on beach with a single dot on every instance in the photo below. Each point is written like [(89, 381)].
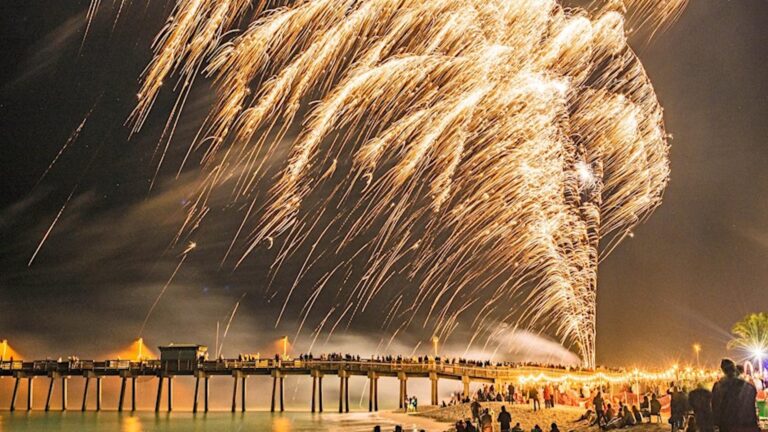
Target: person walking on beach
[(475, 407), (733, 401), (599, 409), (533, 395), (504, 419), (679, 408), (486, 421)]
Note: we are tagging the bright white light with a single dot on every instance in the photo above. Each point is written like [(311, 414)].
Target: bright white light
[(586, 175)]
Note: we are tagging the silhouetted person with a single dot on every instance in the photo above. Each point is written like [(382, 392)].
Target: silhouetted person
[(700, 401), (486, 421), (599, 410), (679, 407), (475, 407), (504, 419), (733, 401)]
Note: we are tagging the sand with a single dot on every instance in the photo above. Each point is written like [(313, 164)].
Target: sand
[(563, 416)]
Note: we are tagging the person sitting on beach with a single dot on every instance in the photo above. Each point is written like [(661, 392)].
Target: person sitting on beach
[(468, 426), (589, 416), (655, 406), (645, 406), (504, 419), (609, 415), (459, 426), (517, 428), (553, 428), (536, 428), (638, 415), (627, 417)]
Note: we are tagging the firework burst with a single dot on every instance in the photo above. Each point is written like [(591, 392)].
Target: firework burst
[(497, 147)]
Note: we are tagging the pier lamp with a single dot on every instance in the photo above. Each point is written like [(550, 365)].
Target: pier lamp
[(435, 340), (141, 348), (285, 346), (4, 349)]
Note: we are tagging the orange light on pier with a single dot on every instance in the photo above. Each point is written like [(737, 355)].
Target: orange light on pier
[(7, 352), (137, 350)]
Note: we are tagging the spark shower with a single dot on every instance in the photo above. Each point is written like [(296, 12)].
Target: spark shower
[(482, 149)]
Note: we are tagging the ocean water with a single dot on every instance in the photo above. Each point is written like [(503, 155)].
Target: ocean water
[(72, 421)]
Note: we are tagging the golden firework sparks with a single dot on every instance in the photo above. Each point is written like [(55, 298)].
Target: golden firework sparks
[(496, 142)]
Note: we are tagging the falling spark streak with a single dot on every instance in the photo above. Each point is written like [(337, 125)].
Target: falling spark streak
[(50, 228), (499, 145), (72, 138), (229, 322), (185, 254)]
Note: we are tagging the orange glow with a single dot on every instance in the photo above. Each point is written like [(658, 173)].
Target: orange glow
[(137, 350), (7, 352)]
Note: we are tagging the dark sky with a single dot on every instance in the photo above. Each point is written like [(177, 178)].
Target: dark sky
[(698, 264)]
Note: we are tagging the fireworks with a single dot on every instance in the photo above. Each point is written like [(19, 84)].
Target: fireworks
[(496, 146)]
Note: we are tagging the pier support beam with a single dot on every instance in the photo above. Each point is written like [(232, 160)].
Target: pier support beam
[(373, 392), (85, 394), (170, 393), (243, 392), (343, 391), (433, 380), (346, 394), (277, 379), (234, 392), (98, 394), (195, 397), (206, 393), (159, 393), (64, 392), (133, 394), (317, 390), (30, 393), (403, 378), (465, 382), (50, 393), (122, 394), (15, 393)]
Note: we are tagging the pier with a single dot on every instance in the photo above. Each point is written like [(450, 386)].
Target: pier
[(58, 373)]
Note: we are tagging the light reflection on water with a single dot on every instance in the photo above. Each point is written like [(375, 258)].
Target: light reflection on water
[(177, 422)]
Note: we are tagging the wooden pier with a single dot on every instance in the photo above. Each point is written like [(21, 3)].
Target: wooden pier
[(238, 370)]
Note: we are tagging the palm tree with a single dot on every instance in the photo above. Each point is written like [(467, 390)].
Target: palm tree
[(751, 335)]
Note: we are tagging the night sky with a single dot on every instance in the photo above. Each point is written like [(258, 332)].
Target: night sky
[(698, 264)]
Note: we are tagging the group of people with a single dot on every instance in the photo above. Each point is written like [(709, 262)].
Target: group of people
[(482, 421), (730, 406)]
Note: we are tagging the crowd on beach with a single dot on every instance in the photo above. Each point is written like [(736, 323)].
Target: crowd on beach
[(730, 407)]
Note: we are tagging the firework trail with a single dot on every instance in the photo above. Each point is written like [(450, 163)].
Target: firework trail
[(493, 147)]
